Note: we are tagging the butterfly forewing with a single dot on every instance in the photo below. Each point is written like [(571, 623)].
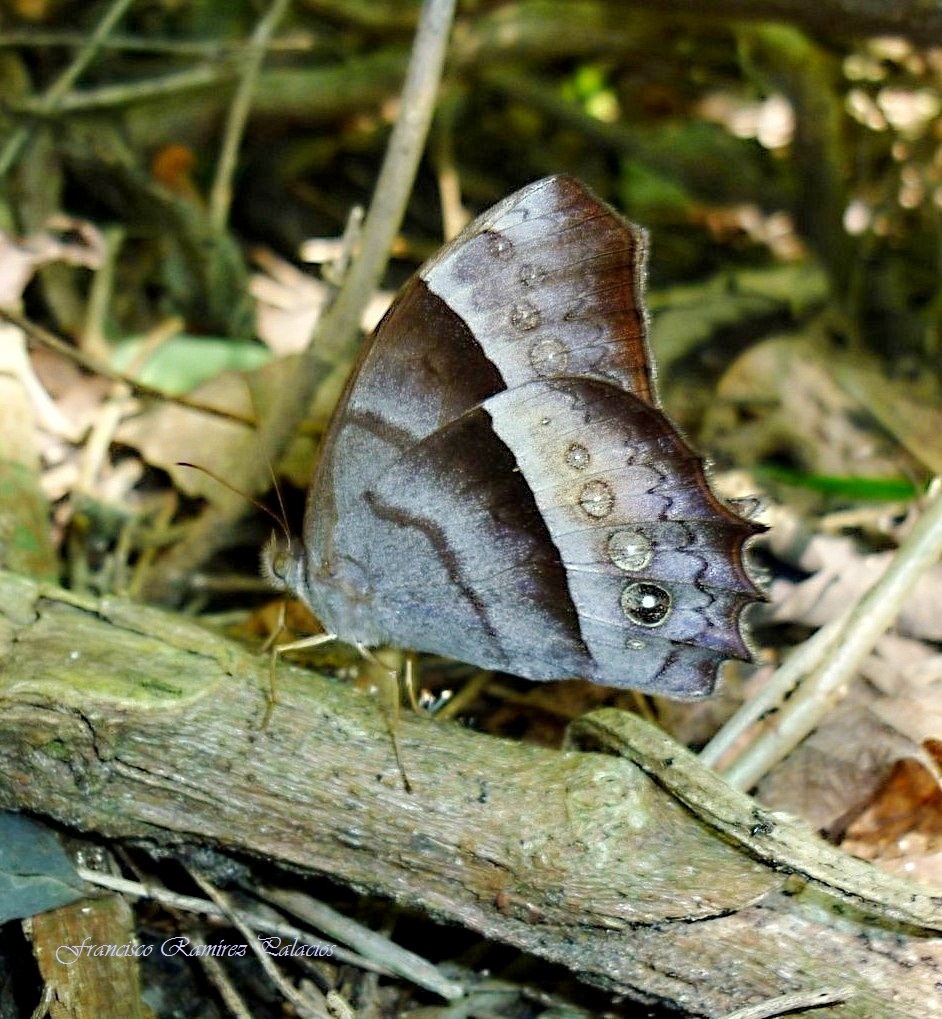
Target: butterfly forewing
[(549, 282)]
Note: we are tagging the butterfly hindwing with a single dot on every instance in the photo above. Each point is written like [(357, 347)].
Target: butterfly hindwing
[(646, 545)]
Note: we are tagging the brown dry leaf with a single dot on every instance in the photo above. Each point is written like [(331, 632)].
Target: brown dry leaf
[(80, 243), (54, 422), (838, 768), (19, 259), (167, 434), (76, 394), (840, 575), (908, 674), (911, 410), (290, 302), (902, 827), (886, 719), (782, 400), (265, 621), (887, 715)]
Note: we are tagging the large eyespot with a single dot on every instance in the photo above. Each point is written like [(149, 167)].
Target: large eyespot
[(646, 604)]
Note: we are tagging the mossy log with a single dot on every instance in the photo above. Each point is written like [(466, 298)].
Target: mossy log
[(133, 724)]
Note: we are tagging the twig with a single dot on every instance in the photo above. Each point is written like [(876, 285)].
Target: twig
[(306, 1004), (772, 696), (454, 216), (374, 952), (387, 954), (107, 97), (791, 1003), (208, 49), (396, 176), (37, 334), (92, 338), (221, 195), (260, 920), (340, 324), (219, 978)]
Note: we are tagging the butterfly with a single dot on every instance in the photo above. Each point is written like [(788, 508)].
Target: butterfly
[(499, 484)]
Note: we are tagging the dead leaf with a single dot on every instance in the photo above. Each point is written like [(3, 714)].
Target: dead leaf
[(902, 827), (840, 575), (782, 401), (19, 259)]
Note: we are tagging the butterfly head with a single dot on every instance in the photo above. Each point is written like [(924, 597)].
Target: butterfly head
[(282, 564), (336, 593)]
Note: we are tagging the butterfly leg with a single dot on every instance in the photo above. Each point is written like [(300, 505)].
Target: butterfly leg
[(388, 684), (279, 649)]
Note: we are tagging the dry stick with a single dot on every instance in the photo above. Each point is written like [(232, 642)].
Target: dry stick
[(128, 93), (221, 196), (219, 978), (848, 648), (261, 920), (308, 1003), (101, 292), (373, 952), (779, 840), (454, 216), (64, 82), (381, 950), (50, 341), (339, 325), (771, 697), (329, 740), (114, 409), (396, 177), (208, 49)]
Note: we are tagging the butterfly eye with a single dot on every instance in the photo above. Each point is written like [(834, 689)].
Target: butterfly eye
[(276, 562)]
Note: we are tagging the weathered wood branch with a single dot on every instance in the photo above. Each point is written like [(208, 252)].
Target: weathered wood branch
[(130, 723)]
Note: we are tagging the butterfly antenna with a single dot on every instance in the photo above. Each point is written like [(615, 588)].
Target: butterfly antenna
[(278, 496), (281, 521)]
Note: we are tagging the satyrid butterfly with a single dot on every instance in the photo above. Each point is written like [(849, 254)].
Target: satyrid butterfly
[(499, 484)]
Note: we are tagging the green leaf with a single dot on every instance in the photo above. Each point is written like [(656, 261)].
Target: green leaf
[(185, 362), (850, 488)]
